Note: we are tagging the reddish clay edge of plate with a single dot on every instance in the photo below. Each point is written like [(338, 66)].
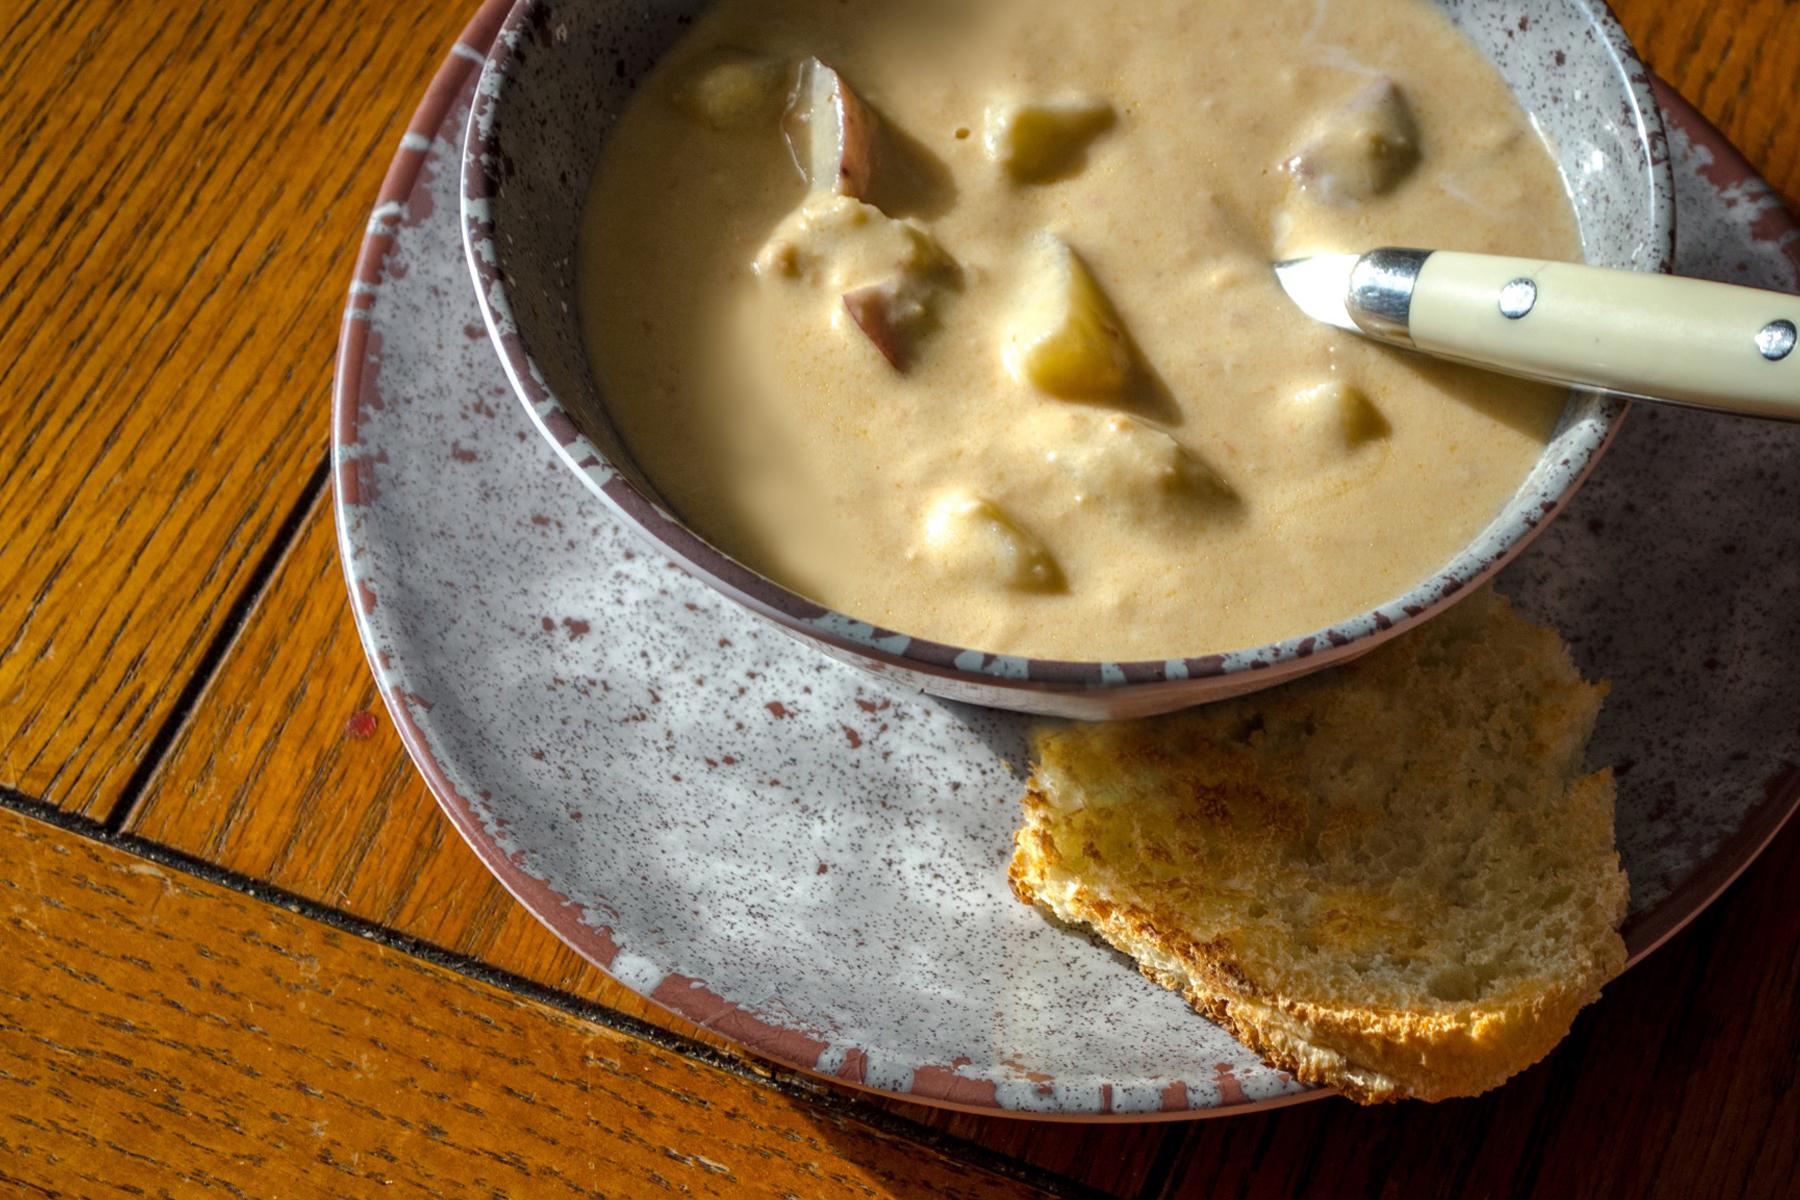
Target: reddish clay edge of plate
[(564, 916), (1644, 934)]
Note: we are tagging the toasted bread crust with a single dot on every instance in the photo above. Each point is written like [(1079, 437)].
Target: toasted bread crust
[(1371, 1055), (1423, 1046)]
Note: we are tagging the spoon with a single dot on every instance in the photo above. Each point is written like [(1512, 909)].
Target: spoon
[(1651, 337)]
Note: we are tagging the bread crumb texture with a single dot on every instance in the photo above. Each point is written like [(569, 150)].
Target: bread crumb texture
[(1395, 878)]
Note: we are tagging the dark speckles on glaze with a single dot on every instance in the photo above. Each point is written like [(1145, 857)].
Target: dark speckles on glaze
[(565, 66), (573, 750)]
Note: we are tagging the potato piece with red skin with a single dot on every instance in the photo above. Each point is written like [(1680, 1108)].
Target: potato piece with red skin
[(831, 133), (1364, 148), (887, 276), (891, 316)]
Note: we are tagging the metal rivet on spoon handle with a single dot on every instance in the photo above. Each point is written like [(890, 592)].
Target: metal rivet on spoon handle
[(1776, 340)]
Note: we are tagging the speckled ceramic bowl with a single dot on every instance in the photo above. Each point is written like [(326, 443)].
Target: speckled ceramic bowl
[(562, 69)]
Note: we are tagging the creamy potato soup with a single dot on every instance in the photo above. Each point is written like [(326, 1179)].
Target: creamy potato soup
[(957, 316)]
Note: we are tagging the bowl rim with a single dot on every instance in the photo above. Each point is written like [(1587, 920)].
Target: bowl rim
[(1489, 551)]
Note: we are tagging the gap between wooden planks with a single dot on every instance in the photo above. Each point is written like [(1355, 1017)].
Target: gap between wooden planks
[(163, 1035)]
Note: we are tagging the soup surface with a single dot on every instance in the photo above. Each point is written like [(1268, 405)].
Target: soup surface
[(957, 316)]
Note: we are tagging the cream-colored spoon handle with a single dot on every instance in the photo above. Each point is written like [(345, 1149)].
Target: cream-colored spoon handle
[(1656, 336)]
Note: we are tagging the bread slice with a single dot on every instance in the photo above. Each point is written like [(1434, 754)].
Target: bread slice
[(1394, 878)]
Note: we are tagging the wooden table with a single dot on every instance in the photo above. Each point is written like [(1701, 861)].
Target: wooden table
[(242, 953)]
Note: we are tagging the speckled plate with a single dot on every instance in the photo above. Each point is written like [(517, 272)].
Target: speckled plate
[(775, 847)]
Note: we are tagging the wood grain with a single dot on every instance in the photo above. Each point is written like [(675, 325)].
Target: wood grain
[(163, 1036), (1738, 62), (352, 826), (187, 186)]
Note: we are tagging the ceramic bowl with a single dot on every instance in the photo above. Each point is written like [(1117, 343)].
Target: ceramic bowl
[(561, 71)]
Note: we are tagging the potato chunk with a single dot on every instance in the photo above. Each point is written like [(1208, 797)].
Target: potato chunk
[(1065, 337), (884, 277), (1124, 463), (730, 89), (1330, 420), (831, 133), (894, 314), (1361, 149), (973, 540), (1044, 140), (840, 243)]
